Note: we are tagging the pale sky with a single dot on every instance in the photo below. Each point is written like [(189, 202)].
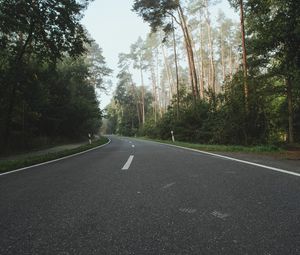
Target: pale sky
[(115, 27)]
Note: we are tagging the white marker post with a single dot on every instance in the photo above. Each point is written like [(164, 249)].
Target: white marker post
[(173, 138), (90, 140)]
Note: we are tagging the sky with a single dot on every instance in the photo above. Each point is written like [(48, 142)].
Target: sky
[(115, 27)]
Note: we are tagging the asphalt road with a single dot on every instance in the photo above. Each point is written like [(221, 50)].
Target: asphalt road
[(166, 201)]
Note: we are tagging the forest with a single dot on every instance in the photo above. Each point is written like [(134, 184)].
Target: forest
[(50, 73), (205, 76), (211, 79)]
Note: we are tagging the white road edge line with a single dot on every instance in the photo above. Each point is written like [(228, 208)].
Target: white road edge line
[(233, 159), (54, 160), (128, 163)]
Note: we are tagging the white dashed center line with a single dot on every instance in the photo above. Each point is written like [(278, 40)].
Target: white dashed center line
[(220, 215), (128, 163), (188, 210), (169, 185)]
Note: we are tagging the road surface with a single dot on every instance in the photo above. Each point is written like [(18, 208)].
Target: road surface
[(140, 197)]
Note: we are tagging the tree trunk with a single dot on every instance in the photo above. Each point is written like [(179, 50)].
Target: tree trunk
[(222, 55), (201, 64), (176, 68), (211, 52), (136, 101), (245, 67), (230, 63), (198, 64), (190, 53), (290, 110), (158, 82), (168, 71), (153, 77), (143, 97)]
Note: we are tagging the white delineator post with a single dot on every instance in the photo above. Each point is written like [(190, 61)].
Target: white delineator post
[(173, 138), (90, 140)]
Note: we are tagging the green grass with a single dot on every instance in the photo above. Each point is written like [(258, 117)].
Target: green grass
[(221, 148), (8, 165)]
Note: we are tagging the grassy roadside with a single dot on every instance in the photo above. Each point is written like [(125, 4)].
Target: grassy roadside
[(8, 165), (278, 153), (221, 148)]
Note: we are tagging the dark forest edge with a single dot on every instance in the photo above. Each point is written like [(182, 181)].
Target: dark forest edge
[(50, 69), (9, 165)]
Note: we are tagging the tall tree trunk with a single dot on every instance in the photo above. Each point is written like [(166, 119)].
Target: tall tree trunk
[(245, 67), (230, 63), (158, 82), (205, 77), (237, 64), (198, 64), (190, 53), (168, 69), (201, 63), (290, 110), (143, 97), (176, 68), (153, 77), (211, 52), (136, 96), (222, 55)]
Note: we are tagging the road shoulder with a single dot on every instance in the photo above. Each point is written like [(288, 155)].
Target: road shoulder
[(279, 160), (284, 160), (46, 157)]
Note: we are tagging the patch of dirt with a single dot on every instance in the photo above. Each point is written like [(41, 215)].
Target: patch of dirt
[(291, 154)]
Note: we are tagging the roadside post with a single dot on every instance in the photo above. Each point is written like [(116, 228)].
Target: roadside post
[(173, 138), (90, 140)]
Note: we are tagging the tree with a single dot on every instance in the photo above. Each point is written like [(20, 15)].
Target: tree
[(98, 70), (273, 27), (240, 4), (122, 114), (47, 29), (137, 53), (151, 54), (124, 65), (159, 14)]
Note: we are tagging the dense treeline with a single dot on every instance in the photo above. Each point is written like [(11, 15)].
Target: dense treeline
[(49, 70), (213, 80)]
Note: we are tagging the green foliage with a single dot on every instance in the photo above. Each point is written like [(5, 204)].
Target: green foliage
[(53, 103), (122, 112), (223, 148), (156, 12), (47, 28), (264, 113), (98, 70), (75, 107), (220, 120), (150, 129), (45, 85), (273, 30), (49, 69)]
